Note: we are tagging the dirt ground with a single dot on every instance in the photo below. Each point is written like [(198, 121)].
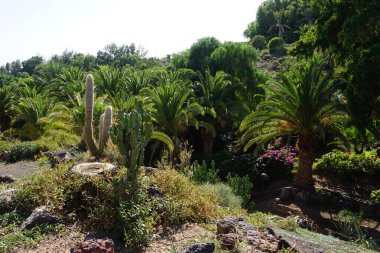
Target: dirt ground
[(18, 169)]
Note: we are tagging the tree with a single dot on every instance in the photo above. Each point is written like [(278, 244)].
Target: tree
[(300, 104), (31, 64), (217, 95), (173, 109), (6, 99), (109, 80), (348, 31), (200, 53)]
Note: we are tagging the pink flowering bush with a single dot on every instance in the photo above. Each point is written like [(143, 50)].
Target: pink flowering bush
[(285, 155)]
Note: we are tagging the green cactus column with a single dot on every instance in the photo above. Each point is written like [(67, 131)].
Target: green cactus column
[(88, 128)]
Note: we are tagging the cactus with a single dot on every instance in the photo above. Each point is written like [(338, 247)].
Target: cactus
[(105, 122), (131, 135)]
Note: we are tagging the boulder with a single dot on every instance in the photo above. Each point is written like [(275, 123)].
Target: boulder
[(7, 179), (150, 170), (6, 198), (39, 216), (93, 169), (95, 246), (4, 156), (200, 248), (228, 241), (226, 226), (56, 157), (286, 193)]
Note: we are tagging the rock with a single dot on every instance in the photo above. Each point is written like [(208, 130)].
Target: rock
[(95, 246), (39, 216), (277, 200), (6, 199), (200, 248), (7, 179), (92, 169), (286, 193), (226, 226), (56, 157), (154, 192), (4, 156), (228, 241), (150, 170), (302, 196)]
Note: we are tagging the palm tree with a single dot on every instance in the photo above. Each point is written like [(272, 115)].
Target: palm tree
[(69, 83), (38, 113), (173, 109), (109, 80), (217, 95), (280, 26), (6, 98), (299, 104)]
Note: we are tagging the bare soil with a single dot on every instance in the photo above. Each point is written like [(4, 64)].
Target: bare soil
[(19, 169)]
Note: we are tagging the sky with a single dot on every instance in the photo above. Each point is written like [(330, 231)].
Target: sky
[(48, 27)]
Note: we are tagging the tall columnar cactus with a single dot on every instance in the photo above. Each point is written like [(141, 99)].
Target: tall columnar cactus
[(105, 121), (131, 134)]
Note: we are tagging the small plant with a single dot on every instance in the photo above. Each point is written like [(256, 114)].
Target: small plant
[(259, 42), (348, 225), (201, 173), (375, 196), (24, 151), (276, 46), (225, 195), (348, 165), (241, 186)]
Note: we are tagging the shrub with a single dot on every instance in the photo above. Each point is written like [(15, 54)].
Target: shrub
[(226, 196), (259, 42), (24, 150), (58, 140), (348, 165), (348, 225), (201, 173), (276, 46), (375, 196), (185, 201), (241, 186)]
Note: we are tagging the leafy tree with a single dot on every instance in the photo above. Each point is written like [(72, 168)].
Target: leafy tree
[(200, 53), (31, 64), (236, 59), (300, 104), (348, 31)]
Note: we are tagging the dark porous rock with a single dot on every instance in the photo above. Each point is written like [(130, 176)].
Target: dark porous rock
[(200, 248), (57, 157), (226, 226), (286, 193), (154, 192), (92, 169), (228, 241), (95, 246), (150, 170), (39, 216), (4, 156), (7, 179)]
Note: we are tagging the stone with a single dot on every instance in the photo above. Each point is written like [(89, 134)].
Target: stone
[(56, 157), (277, 200), (154, 192), (39, 216), (150, 170), (302, 196), (200, 248), (95, 246), (286, 193), (7, 179), (92, 169), (6, 196), (226, 226), (228, 241), (4, 156)]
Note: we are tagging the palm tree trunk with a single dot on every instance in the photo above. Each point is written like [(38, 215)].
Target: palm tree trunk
[(208, 141), (304, 176)]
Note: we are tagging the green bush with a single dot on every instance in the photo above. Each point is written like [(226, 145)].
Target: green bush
[(259, 42), (276, 46), (375, 196), (348, 165), (226, 196), (201, 173), (24, 151), (241, 186)]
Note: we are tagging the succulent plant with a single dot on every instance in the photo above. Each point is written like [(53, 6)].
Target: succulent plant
[(105, 122)]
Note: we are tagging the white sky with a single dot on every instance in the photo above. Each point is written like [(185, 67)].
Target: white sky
[(47, 27)]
